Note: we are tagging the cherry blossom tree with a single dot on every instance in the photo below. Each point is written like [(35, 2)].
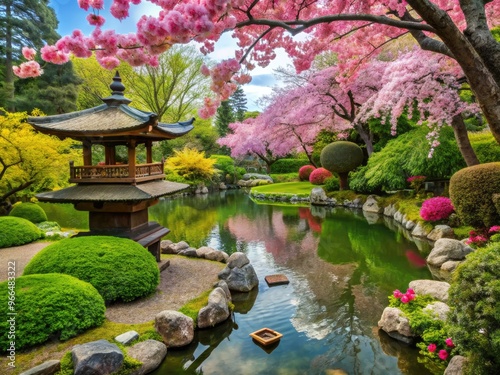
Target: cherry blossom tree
[(355, 31)]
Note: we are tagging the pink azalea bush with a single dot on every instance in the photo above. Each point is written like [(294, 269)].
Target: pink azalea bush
[(437, 208), (319, 175), (404, 297), (416, 182), (480, 237), (305, 171)]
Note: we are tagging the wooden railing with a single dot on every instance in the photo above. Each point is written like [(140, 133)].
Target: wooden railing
[(115, 173)]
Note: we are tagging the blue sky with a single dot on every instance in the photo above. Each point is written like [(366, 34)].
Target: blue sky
[(71, 17)]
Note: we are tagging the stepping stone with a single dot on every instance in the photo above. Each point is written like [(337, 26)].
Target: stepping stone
[(278, 279)]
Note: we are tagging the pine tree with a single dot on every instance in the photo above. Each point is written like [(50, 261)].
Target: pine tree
[(238, 102), (224, 117), (29, 23)]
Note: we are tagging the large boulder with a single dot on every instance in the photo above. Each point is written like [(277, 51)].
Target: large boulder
[(239, 274), (216, 310), (436, 289), (150, 352), (96, 358), (438, 310), (175, 328), (396, 325), (318, 196), (419, 231), (446, 249), (441, 231), (456, 365), (371, 205)]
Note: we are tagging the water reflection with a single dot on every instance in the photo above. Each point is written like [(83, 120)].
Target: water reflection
[(341, 268)]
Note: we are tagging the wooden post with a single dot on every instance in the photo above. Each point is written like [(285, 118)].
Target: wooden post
[(149, 152), (131, 158), (87, 153), (109, 152)]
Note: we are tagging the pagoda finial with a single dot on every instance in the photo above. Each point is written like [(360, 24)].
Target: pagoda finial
[(117, 89)]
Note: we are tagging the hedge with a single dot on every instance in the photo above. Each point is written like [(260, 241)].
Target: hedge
[(29, 211), (288, 165), (119, 268), (16, 231)]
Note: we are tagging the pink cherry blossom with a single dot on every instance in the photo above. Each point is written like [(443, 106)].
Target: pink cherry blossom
[(28, 69), (28, 53), (95, 20)]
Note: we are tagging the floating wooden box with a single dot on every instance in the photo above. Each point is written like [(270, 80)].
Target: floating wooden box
[(266, 336), (278, 279)]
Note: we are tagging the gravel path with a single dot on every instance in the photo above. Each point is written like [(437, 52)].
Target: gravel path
[(183, 280)]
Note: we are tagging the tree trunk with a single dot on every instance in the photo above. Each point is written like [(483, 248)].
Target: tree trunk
[(367, 138), (343, 181), (9, 75), (463, 142)]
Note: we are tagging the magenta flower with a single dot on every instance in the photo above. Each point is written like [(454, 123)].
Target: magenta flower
[(410, 291), (449, 342), (432, 348), (405, 299), (397, 293), (443, 354), (410, 296), (494, 229)]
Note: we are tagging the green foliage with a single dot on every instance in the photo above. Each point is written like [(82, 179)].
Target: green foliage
[(16, 231), (474, 319), (485, 146), (120, 269), (223, 118), (405, 156), (50, 305), (288, 165), (284, 177), (227, 169), (332, 184), (472, 190), (29, 211), (238, 102), (192, 307), (191, 165), (341, 157)]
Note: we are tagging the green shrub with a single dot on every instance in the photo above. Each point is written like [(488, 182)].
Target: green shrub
[(16, 231), (332, 184), (472, 190), (407, 155), (227, 169), (319, 175), (29, 211), (485, 146), (50, 305), (288, 165), (341, 157), (475, 315), (119, 268)]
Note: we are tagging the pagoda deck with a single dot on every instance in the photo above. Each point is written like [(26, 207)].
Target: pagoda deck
[(116, 173)]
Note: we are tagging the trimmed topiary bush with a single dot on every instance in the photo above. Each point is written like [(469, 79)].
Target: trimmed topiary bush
[(474, 318), (305, 171), (16, 231), (119, 268), (341, 157), (472, 192), (437, 208), (319, 175), (46, 306), (29, 211)]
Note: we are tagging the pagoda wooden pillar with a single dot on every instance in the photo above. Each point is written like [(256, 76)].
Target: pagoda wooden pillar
[(87, 153), (131, 158), (149, 152), (110, 155)]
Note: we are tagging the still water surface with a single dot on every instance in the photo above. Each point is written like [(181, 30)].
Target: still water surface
[(341, 268)]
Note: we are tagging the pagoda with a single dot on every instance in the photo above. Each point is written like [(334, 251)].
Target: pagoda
[(116, 196)]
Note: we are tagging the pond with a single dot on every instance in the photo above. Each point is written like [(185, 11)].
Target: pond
[(341, 268)]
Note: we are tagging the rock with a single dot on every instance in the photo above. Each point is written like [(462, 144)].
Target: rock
[(165, 246), (446, 249), (419, 231), (211, 254), (189, 252), (371, 205), (455, 366), (441, 231), (127, 337), (222, 186), (241, 279), (223, 285), (256, 176), (237, 259), (396, 325), (438, 310), (398, 216), (175, 328), (371, 217), (216, 310), (204, 190), (450, 265), (318, 196), (390, 210), (409, 225), (46, 368), (179, 246), (96, 358), (436, 289), (150, 352)]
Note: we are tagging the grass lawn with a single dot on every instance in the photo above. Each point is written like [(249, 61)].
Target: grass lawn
[(286, 188)]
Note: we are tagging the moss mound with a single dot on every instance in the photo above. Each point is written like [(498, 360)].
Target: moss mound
[(119, 268), (473, 193), (48, 306), (15, 231), (29, 211)]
